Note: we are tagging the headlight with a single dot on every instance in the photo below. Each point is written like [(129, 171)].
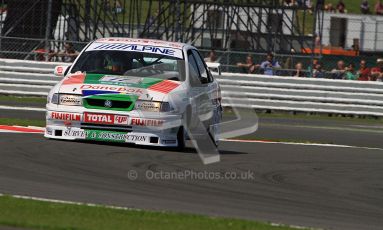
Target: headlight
[(55, 98), (165, 107), (66, 99), (153, 106)]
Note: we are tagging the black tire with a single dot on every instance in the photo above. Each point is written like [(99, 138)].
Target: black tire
[(181, 139), (187, 119)]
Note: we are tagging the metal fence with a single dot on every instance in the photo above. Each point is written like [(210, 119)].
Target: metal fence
[(40, 27), (227, 59)]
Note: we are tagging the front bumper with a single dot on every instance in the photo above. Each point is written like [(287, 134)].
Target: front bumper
[(154, 129)]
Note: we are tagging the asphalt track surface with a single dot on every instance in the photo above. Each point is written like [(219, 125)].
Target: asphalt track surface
[(326, 187), (314, 186)]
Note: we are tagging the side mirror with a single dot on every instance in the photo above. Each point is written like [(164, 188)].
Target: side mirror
[(60, 70)]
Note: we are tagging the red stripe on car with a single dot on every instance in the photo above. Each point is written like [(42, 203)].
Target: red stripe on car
[(164, 86), (75, 79)]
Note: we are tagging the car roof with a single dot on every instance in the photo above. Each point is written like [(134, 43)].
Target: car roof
[(142, 41)]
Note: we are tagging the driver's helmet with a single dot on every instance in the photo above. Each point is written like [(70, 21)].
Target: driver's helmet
[(115, 66), (114, 63)]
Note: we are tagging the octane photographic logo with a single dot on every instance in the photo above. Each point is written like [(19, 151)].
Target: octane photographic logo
[(246, 122)]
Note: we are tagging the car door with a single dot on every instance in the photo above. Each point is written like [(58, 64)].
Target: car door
[(202, 87)]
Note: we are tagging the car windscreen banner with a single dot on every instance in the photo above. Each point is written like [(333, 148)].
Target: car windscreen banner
[(167, 51)]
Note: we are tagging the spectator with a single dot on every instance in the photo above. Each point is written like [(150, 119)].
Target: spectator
[(379, 7), (339, 71), (113, 5), (365, 7), (318, 71), (68, 54), (311, 68), (364, 73), (249, 66), (40, 54), (318, 41), (350, 73), (212, 57), (309, 5), (298, 70), (268, 67), (341, 7), (151, 21), (106, 5), (330, 8), (288, 63), (300, 2), (377, 72), (289, 3), (118, 7)]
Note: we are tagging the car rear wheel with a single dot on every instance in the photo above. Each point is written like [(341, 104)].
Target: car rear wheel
[(181, 138), (181, 134)]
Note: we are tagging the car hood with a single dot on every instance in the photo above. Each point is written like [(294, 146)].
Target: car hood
[(101, 84)]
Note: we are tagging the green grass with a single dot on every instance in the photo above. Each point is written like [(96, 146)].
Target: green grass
[(32, 214), (21, 122)]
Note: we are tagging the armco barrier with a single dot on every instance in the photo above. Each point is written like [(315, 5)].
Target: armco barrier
[(32, 78), (27, 78), (302, 94)]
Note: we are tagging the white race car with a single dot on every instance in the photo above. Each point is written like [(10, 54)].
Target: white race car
[(140, 91)]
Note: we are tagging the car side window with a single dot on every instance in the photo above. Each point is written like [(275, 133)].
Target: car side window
[(193, 68), (204, 74)]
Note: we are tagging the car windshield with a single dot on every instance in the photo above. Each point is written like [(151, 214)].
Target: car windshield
[(126, 63)]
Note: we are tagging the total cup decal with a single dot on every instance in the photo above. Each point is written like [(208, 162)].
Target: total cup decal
[(120, 120), (111, 119)]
